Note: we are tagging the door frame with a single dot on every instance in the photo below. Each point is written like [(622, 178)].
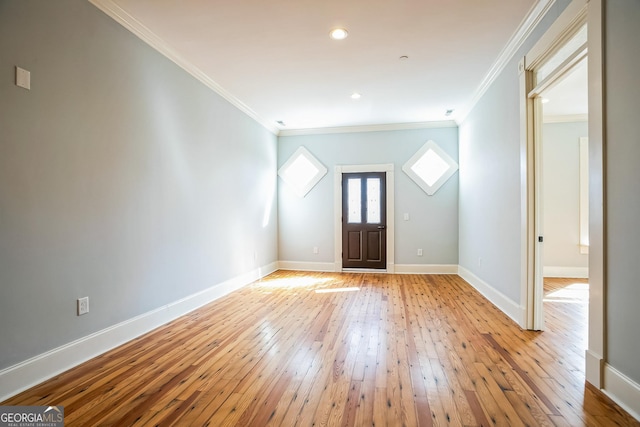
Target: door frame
[(560, 32), (575, 15), (387, 168)]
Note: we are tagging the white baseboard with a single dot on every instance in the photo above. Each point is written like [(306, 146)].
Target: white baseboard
[(566, 272), (622, 390), (24, 375), (306, 266), (506, 305), (426, 268), (594, 364), (391, 268)]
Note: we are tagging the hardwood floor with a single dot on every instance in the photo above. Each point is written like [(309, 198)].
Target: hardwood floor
[(342, 350)]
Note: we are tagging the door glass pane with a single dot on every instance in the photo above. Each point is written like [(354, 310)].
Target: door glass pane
[(354, 200), (373, 200)]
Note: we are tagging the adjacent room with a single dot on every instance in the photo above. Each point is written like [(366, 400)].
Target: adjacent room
[(286, 213)]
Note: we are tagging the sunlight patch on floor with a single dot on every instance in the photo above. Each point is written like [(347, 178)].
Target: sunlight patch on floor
[(292, 282), (330, 290), (576, 293)]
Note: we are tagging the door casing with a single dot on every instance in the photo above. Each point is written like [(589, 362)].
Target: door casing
[(576, 13)]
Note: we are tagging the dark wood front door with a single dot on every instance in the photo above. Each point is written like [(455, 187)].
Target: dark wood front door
[(364, 216)]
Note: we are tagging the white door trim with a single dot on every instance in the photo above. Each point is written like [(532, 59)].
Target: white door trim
[(574, 16), (596, 352), (337, 210), (561, 31)]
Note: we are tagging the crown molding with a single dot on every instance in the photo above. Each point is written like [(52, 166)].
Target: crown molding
[(122, 17), (526, 27), (370, 128)]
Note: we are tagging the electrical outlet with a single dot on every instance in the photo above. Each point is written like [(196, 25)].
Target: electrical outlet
[(83, 306), (316, 250), (23, 78), (419, 252)]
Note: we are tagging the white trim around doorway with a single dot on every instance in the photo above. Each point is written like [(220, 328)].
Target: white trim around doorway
[(561, 31), (575, 15)]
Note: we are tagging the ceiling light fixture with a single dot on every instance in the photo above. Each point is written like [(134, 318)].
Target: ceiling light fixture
[(338, 34), (404, 58), (355, 95)]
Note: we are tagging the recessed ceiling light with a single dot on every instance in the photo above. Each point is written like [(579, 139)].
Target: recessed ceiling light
[(355, 95), (338, 34)]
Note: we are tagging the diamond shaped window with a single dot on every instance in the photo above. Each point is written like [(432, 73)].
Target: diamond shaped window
[(430, 167), (302, 172)]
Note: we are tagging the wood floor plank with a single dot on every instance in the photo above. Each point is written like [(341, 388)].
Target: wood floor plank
[(369, 349), (207, 404), (296, 401), (506, 413), (364, 413)]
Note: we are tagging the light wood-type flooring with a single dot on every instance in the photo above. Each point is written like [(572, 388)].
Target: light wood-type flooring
[(327, 349)]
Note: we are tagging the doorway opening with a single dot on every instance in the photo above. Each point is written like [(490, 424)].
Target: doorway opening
[(563, 195), (571, 20), (553, 58)]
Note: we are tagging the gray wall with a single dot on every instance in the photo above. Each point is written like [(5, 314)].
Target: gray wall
[(490, 244), (309, 221), (622, 53), (122, 178), (561, 194)]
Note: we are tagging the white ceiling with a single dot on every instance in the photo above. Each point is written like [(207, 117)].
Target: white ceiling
[(276, 60)]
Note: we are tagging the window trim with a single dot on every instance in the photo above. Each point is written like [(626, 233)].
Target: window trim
[(430, 189), (302, 190)]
